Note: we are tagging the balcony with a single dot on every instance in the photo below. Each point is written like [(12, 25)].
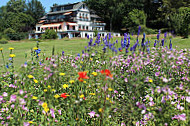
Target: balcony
[(98, 24)]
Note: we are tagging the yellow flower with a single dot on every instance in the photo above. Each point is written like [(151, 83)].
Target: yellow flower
[(65, 86), (80, 66), (56, 96), (49, 86), (35, 48), (94, 73), (44, 105), (100, 110), (53, 90), (110, 89), (91, 59), (1, 49), (35, 81), (12, 55), (107, 98), (150, 80), (81, 62), (61, 74), (84, 82), (71, 81), (11, 48), (30, 76), (92, 94), (81, 96), (111, 102), (34, 97), (30, 122), (45, 90), (46, 109)]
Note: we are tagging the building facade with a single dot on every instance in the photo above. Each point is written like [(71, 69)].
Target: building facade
[(70, 20)]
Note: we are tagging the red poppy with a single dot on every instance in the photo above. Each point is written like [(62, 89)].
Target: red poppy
[(64, 95), (46, 58), (121, 50), (106, 72), (82, 75)]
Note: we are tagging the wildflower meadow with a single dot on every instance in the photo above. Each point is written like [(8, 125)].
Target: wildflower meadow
[(110, 83)]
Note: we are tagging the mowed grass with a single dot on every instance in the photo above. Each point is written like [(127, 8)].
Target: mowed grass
[(23, 48), (69, 46)]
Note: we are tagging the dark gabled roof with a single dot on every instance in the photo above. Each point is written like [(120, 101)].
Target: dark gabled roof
[(75, 7), (63, 11)]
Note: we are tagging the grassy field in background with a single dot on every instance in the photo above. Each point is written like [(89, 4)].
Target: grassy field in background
[(69, 46)]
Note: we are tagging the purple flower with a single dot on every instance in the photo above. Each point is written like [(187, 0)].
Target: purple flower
[(92, 113), (139, 30)]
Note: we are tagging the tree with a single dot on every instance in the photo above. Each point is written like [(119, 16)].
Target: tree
[(134, 19), (16, 6), (180, 21), (35, 9)]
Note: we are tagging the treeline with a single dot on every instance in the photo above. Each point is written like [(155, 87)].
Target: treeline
[(127, 15), (18, 18)]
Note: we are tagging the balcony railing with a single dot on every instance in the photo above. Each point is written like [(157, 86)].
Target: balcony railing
[(98, 24)]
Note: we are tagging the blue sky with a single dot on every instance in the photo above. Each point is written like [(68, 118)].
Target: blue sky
[(46, 3)]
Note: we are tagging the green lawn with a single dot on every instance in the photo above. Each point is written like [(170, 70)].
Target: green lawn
[(70, 46)]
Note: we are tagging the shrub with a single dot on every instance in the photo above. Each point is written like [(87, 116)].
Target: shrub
[(3, 41), (9, 31), (180, 21), (17, 36), (50, 34), (95, 32)]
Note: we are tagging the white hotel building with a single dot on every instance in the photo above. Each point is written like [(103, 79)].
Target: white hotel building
[(70, 20)]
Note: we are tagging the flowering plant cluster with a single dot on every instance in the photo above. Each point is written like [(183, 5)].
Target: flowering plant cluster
[(110, 83)]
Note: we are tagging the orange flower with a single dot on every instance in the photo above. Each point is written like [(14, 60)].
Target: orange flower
[(106, 72), (64, 95), (82, 75)]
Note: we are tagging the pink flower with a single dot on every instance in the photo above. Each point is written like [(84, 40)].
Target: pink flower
[(92, 113), (188, 99), (181, 117), (1, 98), (13, 98), (59, 111), (52, 113), (26, 124), (21, 92), (5, 94)]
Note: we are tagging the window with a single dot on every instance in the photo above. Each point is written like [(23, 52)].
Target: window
[(38, 28), (67, 27), (73, 27), (79, 27), (86, 27), (83, 27)]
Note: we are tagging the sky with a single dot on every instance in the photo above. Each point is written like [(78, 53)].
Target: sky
[(46, 3)]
